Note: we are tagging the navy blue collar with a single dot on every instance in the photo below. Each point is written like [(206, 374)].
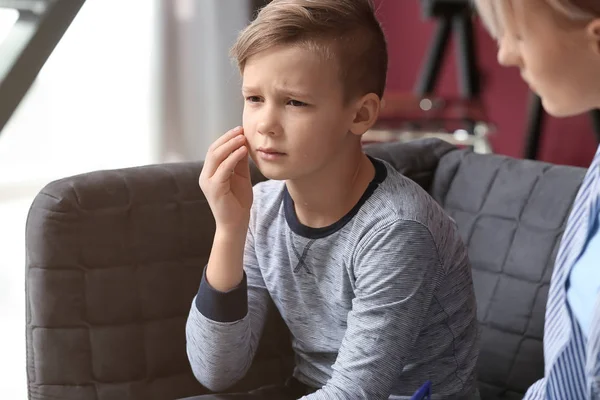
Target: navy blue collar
[(317, 233)]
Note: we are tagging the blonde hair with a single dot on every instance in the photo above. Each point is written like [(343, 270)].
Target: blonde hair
[(491, 11), (344, 30)]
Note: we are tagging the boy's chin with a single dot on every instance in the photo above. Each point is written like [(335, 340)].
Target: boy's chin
[(274, 174), (273, 171), (276, 177)]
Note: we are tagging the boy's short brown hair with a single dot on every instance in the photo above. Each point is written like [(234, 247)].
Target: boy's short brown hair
[(344, 30)]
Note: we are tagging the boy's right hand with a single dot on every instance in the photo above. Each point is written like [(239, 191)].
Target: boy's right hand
[(225, 181)]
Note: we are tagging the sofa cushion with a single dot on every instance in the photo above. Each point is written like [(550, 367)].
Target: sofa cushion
[(511, 213)]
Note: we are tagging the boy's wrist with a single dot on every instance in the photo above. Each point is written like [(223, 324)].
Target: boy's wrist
[(225, 265), (231, 234)]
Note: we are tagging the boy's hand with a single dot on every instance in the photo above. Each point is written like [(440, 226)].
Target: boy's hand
[(225, 181)]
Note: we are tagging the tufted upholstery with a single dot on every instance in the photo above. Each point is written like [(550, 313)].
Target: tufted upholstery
[(511, 213), (114, 259)]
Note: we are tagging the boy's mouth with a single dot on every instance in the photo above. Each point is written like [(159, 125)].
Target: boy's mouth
[(269, 154)]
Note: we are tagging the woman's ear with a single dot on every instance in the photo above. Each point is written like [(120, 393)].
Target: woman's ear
[(367, 111), (593, 33)]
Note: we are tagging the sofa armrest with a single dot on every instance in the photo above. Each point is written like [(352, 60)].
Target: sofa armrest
[(114, 259)]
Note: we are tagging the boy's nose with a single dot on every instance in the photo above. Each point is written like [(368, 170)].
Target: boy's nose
[(268, 124), (266, 128)]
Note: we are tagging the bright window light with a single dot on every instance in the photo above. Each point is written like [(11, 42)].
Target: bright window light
[(8, 17)]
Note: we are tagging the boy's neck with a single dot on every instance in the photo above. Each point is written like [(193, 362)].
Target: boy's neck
[(325, 198)]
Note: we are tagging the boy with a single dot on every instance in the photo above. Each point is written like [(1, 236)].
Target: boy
[(556, 45), (365, 268)]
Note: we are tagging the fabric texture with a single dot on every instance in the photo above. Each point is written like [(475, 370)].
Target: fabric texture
[(291, 390), (377, 303), (113, 260), (511, 213), (572, 363)]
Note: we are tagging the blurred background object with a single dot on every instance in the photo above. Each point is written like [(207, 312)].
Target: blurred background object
[(459, 119), (201, 96), (504, 95), (101, 84), (31, 30), (535, 126)]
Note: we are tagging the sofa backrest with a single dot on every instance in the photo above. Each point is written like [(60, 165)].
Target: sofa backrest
[(511, 213)]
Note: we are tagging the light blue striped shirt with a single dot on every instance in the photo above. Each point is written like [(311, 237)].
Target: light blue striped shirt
[(584, 282), (572, 360)]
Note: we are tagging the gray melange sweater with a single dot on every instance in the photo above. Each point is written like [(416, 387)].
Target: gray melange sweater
[(377, 304)]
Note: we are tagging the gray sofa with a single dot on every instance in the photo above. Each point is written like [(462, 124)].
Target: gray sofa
[(114, 259)]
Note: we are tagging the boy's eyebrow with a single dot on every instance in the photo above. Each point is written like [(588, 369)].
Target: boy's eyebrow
[(287, 92), (249, 89)]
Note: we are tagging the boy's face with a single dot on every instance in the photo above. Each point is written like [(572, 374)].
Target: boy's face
[(558, 58), (295, 118)]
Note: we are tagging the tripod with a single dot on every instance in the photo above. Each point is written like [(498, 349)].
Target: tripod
[(410, 121), (535, 126), (452, 15)]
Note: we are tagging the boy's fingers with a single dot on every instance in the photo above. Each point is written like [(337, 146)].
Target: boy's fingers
[(243, 167), (227, 167), (224, 138), (217, 156), (223, 151)]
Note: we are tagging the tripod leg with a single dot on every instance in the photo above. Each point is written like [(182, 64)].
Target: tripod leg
[(468, 76), (465, 54), (430, 71), (535, 122), (595, 114)]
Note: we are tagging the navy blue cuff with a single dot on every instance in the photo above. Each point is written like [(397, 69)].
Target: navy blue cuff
[(218, 306)]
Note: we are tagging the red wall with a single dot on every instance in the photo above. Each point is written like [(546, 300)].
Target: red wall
[(564, 141)]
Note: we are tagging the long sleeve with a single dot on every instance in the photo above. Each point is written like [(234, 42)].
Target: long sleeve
[(223, 329), (397, 270), (536, 391)]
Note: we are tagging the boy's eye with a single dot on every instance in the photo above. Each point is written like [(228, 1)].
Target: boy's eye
[(296, 103), (253, 99)]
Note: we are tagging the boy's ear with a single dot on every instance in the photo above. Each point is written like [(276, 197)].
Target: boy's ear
[(593, 32), (367, 111)]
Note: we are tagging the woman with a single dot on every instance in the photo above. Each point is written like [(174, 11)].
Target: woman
[(556, 45)]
